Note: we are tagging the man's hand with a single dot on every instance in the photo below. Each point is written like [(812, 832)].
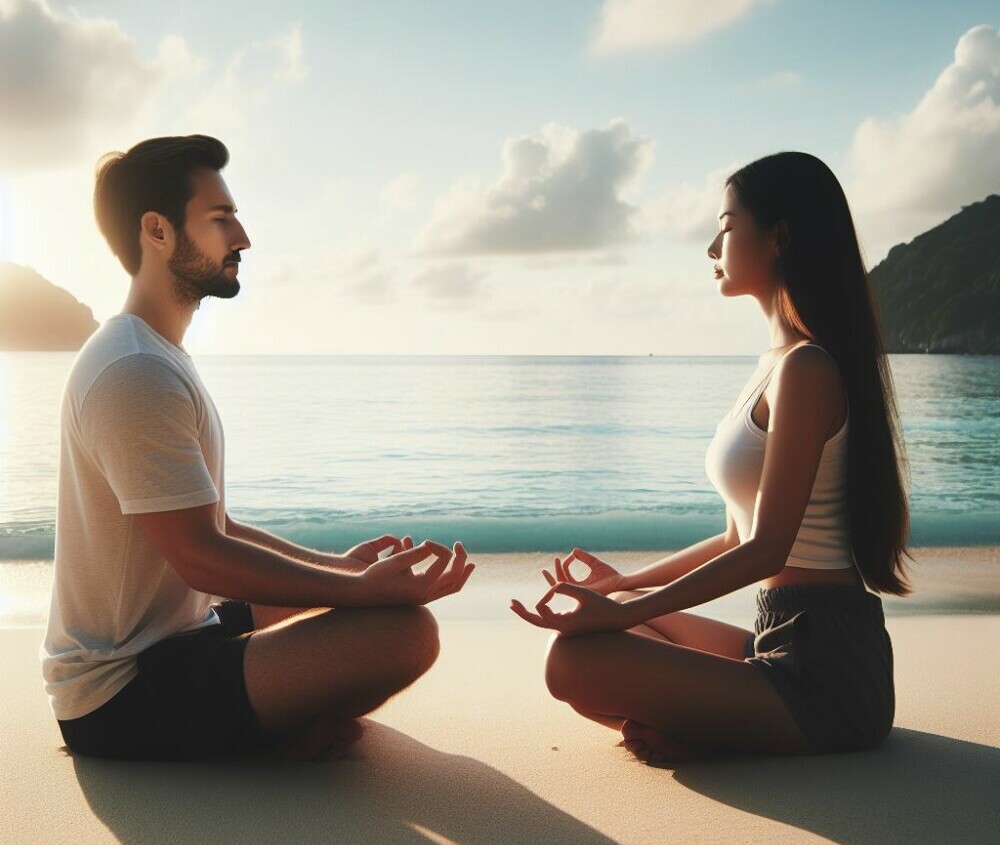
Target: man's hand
[(358, 558), (391, 580)]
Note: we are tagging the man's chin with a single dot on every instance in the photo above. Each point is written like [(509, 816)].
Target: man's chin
[(229, 291), (223, 289)]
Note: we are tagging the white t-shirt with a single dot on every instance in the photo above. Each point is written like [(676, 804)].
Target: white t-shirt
[(139, 433)]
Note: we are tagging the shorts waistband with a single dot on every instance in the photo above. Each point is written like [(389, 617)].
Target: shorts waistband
[(837, 597)]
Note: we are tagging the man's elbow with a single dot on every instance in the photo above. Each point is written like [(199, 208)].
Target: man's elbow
[(193, 560)]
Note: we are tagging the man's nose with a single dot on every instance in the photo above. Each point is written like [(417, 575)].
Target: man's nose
[(242, 242)]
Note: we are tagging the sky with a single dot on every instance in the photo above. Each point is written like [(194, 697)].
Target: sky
[(489, 177)]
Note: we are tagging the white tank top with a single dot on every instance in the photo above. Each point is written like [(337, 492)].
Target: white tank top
[(734, 461)]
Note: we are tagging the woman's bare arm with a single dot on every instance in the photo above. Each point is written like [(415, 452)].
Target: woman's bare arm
[(682, 562)]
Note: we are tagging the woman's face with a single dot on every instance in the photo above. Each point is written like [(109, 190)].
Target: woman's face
[(744, 257)]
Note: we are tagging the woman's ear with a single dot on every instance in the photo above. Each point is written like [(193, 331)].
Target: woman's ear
[(782, 239)]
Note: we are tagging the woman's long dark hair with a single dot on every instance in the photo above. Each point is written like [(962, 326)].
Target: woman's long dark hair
[(824, 293)]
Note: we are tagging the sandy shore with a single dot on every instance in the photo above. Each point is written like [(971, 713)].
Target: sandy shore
[(477, 752)]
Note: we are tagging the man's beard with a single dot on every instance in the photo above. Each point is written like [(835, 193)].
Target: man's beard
[(196, 275)]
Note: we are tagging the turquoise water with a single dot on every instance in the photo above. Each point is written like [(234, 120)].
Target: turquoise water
[(505, 453)]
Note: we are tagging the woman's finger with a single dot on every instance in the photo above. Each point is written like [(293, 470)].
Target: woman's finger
[(587, 557), (548, 577), (526, 614)]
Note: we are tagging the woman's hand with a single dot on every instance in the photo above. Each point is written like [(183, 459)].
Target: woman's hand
[(602, 578), (391, 580), (594, 613)]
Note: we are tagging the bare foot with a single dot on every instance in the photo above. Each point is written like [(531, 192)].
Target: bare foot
[(321, 738), (655, 748)]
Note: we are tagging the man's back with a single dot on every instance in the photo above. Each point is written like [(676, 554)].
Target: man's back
[(139, 433)]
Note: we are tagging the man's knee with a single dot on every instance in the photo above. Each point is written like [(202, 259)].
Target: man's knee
[(416, 632)]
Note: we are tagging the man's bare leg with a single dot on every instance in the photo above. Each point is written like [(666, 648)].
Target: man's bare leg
[(312, 674)]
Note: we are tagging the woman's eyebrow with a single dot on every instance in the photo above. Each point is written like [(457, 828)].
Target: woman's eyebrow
[(730, 213)]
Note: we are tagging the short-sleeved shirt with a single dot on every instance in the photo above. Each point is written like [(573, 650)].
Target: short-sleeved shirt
[(139, 433)]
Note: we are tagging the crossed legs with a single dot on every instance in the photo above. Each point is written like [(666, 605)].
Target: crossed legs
[(676, 687), (310, 673)]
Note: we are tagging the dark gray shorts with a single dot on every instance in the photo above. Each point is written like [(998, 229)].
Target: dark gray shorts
[(826, 651), (189, 700)]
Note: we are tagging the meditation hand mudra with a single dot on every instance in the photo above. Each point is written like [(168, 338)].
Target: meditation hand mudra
[(178, 632)]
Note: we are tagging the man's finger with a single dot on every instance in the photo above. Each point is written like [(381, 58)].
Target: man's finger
[(386, 541), (433, 572), (411, 557), (441, 592)]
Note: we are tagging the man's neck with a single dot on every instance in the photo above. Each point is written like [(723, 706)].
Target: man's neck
[(156, 304)]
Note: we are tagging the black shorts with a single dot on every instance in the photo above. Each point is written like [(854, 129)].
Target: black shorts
[(189, 700), (826, 651)]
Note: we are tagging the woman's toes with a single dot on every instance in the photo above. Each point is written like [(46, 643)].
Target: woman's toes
[(651, 746)]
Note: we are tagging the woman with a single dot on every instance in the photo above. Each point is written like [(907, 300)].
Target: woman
[(808, 464)]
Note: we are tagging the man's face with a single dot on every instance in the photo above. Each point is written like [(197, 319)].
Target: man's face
[(205, 260)]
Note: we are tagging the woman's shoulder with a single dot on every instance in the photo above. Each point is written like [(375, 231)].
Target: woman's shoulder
[(810, 373)]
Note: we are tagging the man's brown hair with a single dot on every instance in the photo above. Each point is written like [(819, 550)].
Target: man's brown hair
[(151, 176)]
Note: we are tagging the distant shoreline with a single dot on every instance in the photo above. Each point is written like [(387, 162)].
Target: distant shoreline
[(947, 580)]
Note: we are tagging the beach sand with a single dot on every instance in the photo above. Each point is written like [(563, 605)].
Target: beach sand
[(478, 753)]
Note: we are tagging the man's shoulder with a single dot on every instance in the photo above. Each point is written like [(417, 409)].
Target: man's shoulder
[(114, 359)]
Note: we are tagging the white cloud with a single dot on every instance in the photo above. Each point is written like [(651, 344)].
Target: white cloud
[(561, 191), (630, 25), (71, 86), (452, 285), (61, 77), (401, 193), (905, 174), (688, 212), (221, 100)]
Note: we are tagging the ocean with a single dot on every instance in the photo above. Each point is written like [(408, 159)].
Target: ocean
[(505, 453)]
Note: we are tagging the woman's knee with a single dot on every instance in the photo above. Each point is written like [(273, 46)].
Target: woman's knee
[(561, 659)]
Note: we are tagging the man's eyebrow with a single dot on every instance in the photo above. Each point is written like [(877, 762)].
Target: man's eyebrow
[(223, 207), (730, 213)]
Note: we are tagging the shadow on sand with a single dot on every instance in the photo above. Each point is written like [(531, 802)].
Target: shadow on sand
[(395, 790), (917, 787)]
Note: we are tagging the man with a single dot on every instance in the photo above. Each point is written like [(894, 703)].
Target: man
[(176, 632)]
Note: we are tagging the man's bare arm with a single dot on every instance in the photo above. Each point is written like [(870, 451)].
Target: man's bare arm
[(260, 537), (212, 562)]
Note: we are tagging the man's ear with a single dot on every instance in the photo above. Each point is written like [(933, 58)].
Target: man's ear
[(156, 230)]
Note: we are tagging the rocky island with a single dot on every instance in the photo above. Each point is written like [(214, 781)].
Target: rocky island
[(940, 293), (36, 315)]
